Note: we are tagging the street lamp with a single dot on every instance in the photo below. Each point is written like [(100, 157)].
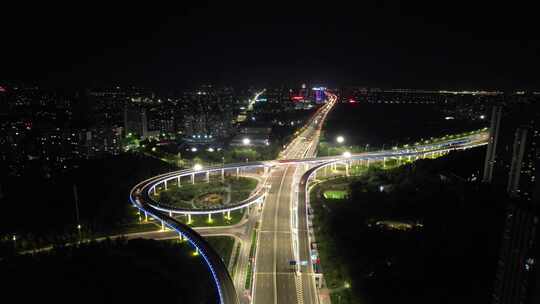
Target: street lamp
[(194, 149), (340, 139), (79, 227), (347, 154), (197, 167), (246, 141)]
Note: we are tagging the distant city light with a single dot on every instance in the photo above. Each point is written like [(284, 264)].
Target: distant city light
[(352, 101), (449, 118), (246, 141), (347, 154), (482, 116), (194, 149), (197, 167), (340, 139), (211, 149)]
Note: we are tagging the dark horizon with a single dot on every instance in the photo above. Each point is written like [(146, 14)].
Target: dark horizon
[(376, 44)]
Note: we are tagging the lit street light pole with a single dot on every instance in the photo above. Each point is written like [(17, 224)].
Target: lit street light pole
[(76, 199)]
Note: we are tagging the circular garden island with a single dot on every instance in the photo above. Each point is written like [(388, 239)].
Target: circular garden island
[(208, 195)]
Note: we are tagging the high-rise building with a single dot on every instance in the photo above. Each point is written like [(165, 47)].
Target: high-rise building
[(517, 270), (492, 144), (521, 176), (517, 278), (135, 121)]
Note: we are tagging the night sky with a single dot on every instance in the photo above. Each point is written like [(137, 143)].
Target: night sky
[(445, 44)]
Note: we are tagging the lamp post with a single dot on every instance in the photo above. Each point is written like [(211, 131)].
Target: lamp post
[(79, 227), (76, 199)]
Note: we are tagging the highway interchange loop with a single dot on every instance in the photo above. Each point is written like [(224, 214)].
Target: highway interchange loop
[(140, 197)]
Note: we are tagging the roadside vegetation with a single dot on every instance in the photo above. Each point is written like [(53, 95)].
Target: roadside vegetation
[(425, 234)]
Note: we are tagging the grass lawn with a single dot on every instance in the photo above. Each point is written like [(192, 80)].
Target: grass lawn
[(223, 245), (335, 194), (240, 189)]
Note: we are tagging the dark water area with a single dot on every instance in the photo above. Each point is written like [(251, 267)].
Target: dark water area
[(392, 124)]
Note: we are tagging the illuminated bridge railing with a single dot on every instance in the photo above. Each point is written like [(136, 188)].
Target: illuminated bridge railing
[(256, 196)]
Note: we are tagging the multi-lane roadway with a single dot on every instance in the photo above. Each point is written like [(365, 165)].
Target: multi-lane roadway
[(275, 281)]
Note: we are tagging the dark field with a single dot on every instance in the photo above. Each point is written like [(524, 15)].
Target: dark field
[(138, 271), (391, 124)]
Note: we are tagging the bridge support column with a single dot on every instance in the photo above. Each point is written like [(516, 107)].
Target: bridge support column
[(193, 178), (162, 226), (346, 169), (165, 184), (209, 217), (154, 189), (207, 176), (181, 237), (189, 221), (228, 214), (367, 162), (170, 213), (222, 175), (237, 172), (384, 162), (145, 216)]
